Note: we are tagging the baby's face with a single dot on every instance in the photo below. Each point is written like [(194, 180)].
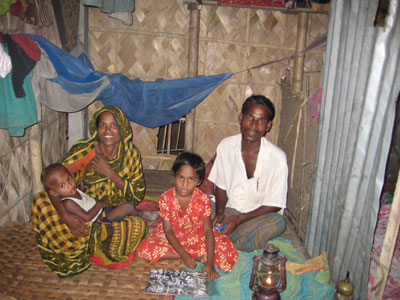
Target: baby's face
[(63, 183)]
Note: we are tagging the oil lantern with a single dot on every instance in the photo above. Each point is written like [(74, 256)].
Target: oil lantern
[(268, 276)]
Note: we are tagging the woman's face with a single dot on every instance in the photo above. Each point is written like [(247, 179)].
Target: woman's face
[(107, 129)]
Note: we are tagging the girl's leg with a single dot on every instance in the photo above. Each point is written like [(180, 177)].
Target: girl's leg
[(170, 255)]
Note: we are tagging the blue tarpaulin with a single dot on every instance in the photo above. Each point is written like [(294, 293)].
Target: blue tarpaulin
[(149, 103)]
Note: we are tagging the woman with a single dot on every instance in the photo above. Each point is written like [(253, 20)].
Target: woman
[(106, 166)]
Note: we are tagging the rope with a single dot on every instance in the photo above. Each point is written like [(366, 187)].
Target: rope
[(319, 43)]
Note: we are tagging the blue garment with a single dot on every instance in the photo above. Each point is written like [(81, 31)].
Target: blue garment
[(149, 103)]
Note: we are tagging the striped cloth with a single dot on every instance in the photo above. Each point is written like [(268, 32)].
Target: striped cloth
[(255, 233)]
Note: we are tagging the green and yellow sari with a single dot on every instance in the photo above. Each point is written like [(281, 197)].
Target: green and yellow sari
[(60, 249)]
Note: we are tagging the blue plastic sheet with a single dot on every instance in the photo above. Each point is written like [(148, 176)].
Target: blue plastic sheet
[(149, 103)]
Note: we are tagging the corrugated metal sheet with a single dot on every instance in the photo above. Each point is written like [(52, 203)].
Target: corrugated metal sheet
[(360, 87)]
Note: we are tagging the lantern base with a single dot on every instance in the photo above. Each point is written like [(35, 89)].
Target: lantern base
[(257, 295)]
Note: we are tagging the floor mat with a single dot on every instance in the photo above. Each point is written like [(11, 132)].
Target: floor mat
[(23, 274), (311, 285)]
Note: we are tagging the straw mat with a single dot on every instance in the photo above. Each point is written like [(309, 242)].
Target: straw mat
[(23, 274)]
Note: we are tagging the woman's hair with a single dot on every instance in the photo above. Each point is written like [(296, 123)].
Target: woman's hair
[(193, 160)]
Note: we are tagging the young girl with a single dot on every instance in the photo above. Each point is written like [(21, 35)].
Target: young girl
[(186, 231), (59, 182)]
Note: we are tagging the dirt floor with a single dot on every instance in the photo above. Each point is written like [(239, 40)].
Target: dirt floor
[(23, 275)]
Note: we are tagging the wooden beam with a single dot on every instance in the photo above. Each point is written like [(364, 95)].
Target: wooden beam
[(296, 10), (302, 28), (36, 158), (194, 32), (389, 243)]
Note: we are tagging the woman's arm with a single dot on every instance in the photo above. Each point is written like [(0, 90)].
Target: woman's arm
[(76, 210), (188, 260), (209, 236), (132, 187)]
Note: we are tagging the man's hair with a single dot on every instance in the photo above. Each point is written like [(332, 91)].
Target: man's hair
[(45, 176), (262, 100), (193, 160)]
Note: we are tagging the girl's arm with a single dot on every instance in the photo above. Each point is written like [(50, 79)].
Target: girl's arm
[(209, 235), (87, 216), (188, 260)]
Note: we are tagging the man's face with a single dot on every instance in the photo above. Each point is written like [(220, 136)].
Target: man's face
[(254, 123)]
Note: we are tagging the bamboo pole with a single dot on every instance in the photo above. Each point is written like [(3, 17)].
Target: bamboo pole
[(302, 25), (194, 31), (36, 158), (389, 243)]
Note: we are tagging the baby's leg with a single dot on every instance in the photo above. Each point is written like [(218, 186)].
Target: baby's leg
[(121, 211)]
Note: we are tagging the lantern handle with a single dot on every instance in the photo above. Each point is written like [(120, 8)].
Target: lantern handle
[(256, 260), (283, 260)]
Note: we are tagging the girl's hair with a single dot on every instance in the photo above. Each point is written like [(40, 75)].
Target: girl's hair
[(193, 160)]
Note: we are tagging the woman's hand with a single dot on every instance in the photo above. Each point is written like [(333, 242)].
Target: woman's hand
[(189, 260), (212, 274), (77, 226), (102, 166)]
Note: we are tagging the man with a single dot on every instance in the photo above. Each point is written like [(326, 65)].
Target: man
[(250, 174)]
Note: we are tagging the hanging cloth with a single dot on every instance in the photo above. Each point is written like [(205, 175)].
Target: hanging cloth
[(5, 63), (149, 103), (5, 6), (16, 113), (28, 45), (110, 6), (50, 93), (22, 65)]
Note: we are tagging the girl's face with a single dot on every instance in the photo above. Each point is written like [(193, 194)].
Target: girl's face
[(186, 180)]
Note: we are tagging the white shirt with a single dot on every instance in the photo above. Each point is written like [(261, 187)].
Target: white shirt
[(268, 185), (86, 203)]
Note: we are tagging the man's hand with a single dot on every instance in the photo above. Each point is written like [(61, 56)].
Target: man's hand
[(77, 226), (231, 224), (219, 218)]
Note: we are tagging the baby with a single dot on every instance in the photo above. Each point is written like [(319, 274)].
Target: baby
[(59, 182)]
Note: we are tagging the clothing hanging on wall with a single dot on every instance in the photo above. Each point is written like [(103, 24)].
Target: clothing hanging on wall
[(22, 65), (16, 113), (117, 9), (5, 62)]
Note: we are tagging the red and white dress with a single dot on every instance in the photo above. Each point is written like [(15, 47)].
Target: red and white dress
[(188, 228)]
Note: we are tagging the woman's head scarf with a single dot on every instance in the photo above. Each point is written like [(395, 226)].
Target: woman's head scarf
[(126, 163)]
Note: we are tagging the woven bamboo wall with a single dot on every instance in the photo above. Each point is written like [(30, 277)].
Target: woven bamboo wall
[(15, 159), (298, 139), (231, 39)]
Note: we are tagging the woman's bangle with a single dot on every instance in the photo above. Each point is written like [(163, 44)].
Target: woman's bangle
[(120, 179)]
